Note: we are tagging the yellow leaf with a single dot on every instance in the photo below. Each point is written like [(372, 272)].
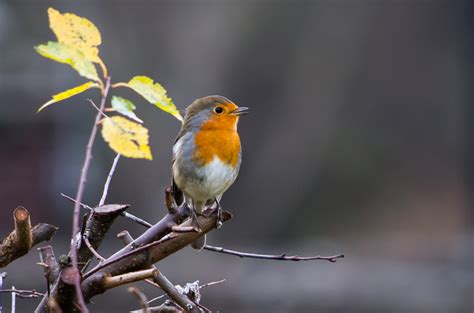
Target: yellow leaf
[(126, 137), (68, 94), (64, 53), (154, 93), (77, 32)]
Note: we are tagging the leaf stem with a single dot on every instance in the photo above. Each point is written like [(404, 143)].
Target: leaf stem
[(80, 193), (120, 85), (104, 68)]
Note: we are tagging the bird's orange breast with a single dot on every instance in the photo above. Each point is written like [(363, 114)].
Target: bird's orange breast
[(218, 137)]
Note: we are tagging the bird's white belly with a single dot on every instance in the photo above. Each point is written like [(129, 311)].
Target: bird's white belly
[(216, 177)]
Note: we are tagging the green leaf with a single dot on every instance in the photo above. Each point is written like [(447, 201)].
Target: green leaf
[(69, 93), (126, 137), (64, 53), (154, 93), (125, 107)]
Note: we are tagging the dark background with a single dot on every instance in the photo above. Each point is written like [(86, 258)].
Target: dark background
[(358, 142)]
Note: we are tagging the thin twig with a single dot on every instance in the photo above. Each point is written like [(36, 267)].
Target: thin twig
[(97, 108), (200, 287), (212, 283), (279, 257), (23, 293), (80, 193), (13, 299), (179, 298), (109, 178), (141, 298), (124, 214), (91, 248)]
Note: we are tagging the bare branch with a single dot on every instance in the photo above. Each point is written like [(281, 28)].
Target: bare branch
[(114, 281), (50, 265), (166, 307), (181, 299), (126, 239), (109, 178), (20, 240), (96, 227), (97, 108), (141, 298), (65, 289), (212, 283), (91, 248), (279, 257), (124, 214), (23, 293), (80, 193), (146, 254), (23, 235), (200, 287)]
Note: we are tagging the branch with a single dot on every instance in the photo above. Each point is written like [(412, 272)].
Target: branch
[(97, 226), (141, 298), (65, 289), (80, 193), (279, 257), (20, 240), (166, 307), (150, 250), (124, 214), (125, 237), (23, 293), (24, 237), (127, 278), (50, 264), (109, 178), (179, 298)]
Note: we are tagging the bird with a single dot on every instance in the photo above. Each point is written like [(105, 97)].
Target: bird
[(206, 156)]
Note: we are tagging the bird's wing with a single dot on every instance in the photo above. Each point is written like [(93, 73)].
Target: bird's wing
[(177, 193)]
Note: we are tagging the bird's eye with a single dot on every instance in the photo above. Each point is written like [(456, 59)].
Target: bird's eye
[(218, 110)]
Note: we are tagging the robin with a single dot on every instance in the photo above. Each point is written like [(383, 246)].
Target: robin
[(206, 156)]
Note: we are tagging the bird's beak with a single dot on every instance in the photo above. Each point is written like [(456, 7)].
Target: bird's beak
[(240, 111)]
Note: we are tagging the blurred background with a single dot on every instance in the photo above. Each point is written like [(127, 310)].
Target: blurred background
[(358, 142)]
